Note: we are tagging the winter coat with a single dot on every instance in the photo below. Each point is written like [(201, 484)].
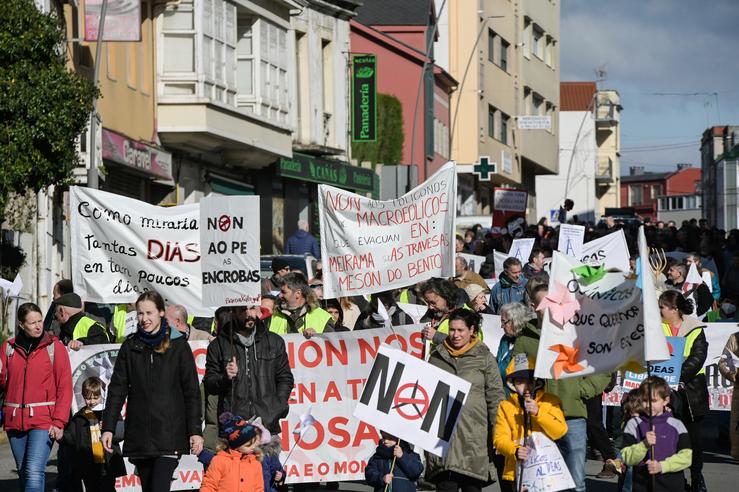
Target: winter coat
[(408, 468), (271, 464), (692, 376), (31, 379), (231, 471), (529, 272), (77, 437), (549, 420), (164, 407), (302, 242), (572, 392), (506, 291), (264, 390), (471, 448), (728, 369), (96, 335)]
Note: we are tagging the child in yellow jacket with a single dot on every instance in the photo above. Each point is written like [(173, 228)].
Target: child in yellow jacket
[(544, 411)]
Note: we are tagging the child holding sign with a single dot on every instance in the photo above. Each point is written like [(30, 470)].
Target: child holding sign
[(528, 409), (394, 466), (657, 444)]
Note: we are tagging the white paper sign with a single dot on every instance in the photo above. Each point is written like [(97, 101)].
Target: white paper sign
[(473, 261), (521, 249), (11, 289), (571, 239), (544, 469), (492, 332), (534, 122), (510, 200), (370, 246), (610, 250), (413, 400), (230, 245), (122, 247)]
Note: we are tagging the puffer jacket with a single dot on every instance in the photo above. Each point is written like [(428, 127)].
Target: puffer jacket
[(728, 369), (164, 407), (231, 471), (408, 468), (263, 390), (695, 391), (471, 449), (506, 291), (302, 242), (509, 426), (572, 392), (30, 379)]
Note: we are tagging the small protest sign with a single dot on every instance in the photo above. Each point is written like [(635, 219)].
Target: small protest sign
[(474, 262), (668, 370), (521, 249), (370, 246), (544, 469), (571, 239), (611, 251), (413, 400), (229, 239)]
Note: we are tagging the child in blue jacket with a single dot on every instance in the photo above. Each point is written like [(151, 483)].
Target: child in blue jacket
[(408, 466)]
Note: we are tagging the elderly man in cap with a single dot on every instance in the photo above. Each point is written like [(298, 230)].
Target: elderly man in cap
[(280, 268), (76, 328)]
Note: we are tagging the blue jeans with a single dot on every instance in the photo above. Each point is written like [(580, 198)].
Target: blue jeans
[(31, 452), (573, 447)]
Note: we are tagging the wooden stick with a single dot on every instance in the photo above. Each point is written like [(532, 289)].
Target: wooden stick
[(392, 467)]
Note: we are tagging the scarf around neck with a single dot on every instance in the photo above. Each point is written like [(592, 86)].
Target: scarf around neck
[(155, 339), (460, 352)]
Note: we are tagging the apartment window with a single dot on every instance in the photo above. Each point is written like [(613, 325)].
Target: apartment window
[(504, 119), (491, 122), (548, 50), (527, 38), (219, 50), (635, 195), (690, 202), (328, 88), (527, 106), (537, 43), (504, 45), (498, 50), (661, 204), (111, 50), (178, 31), (656, 190), (245, 56), (273, 71), (537, 104), (491, 45)]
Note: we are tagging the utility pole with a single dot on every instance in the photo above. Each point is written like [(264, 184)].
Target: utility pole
[(92, 172)]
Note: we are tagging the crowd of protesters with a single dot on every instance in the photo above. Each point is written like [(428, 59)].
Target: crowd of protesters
[(169, 414)]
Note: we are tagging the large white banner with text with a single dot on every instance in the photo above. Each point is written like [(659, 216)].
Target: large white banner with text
[(370, 246)]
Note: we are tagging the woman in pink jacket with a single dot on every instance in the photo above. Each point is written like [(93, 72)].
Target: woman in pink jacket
[(36, 381)]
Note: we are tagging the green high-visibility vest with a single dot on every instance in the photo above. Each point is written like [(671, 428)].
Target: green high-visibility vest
[(119, 321), (83, 327), (316, 319), (689, 340)]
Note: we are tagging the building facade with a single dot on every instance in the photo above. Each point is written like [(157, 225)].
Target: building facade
[(506, 56), (643, 191), (719, 150)]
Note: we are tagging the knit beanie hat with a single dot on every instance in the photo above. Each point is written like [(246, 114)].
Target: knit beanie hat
[(278, 264), (69, 300), (238, 431)]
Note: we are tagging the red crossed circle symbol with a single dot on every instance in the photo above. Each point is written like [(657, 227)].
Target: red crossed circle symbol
[(414, 406), (224, 222)]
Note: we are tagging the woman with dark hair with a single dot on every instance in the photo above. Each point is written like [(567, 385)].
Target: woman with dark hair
[(156, 371), (441, 297), (333, 307), (36, 381), (469, 462), (675, 308)]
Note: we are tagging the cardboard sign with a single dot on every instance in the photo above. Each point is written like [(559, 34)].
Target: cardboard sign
[(571, 238), (544, 469), (229, 236), (370, 246), (413, 400)]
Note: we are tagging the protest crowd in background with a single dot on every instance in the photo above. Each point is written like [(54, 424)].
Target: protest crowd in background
[(230, 414)]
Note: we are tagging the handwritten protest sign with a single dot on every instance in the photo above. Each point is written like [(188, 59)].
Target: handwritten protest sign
[(370, 246), (521, 249), (230, 245), (610, 251), (544, 469), (668, 370), (510, 200), (412, 400), (473, 261), (571, 238)]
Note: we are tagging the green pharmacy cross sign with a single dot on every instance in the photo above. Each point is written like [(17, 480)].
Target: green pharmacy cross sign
[(364, 99), (485, 168)]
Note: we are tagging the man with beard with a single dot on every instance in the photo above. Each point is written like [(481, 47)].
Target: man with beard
[(247, 368), (297, 310)]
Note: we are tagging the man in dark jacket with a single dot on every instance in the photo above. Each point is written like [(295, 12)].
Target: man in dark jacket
[(677, 275), (302, 242), (76, 328), (247, 367)]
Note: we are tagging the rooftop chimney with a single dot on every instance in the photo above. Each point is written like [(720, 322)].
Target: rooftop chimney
[(684, 165), (636, 170)]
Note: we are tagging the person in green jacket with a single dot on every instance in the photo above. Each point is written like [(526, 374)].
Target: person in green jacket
[(573, 392), (469, 462)]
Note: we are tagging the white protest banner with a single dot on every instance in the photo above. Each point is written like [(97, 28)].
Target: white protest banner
[(370, 246), (599, 322), (655, 343), (521, 249), (473, 261), (610, 250), (492, 332), (510, 200), (544, 469), (122, 247), (571, 238), (413, 400), (229, 236), (499, 259)]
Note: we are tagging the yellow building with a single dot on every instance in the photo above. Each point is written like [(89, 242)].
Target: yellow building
[(608, 139)]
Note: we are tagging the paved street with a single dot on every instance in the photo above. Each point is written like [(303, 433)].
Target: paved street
[(721, 472)]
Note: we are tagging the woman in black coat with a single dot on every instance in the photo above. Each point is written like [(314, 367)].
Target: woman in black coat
[(156, 371)]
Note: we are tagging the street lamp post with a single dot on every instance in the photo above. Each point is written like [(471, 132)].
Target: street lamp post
[(92, 172)]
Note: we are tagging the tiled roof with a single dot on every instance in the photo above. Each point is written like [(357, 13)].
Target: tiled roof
[(394, 12), (576, 96), (645, 177)]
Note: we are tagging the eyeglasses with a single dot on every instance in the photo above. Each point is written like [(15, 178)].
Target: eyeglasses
[(505, 321)]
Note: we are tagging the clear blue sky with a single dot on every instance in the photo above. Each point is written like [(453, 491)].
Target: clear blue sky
[(657, 46)]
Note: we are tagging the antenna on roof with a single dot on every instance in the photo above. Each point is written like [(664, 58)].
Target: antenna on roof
[(601, 75)]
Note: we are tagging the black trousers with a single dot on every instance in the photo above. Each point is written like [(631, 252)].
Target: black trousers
[(454, 482), (597, 435), (696, 442), (155, 473)]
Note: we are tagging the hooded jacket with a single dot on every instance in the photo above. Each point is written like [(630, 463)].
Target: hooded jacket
[(692, 376), (471, 448), (231, 471), (302, 242), (263, 385), (408, 468), (164, 407), (506, 291), (31, 379), (549, 420)]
